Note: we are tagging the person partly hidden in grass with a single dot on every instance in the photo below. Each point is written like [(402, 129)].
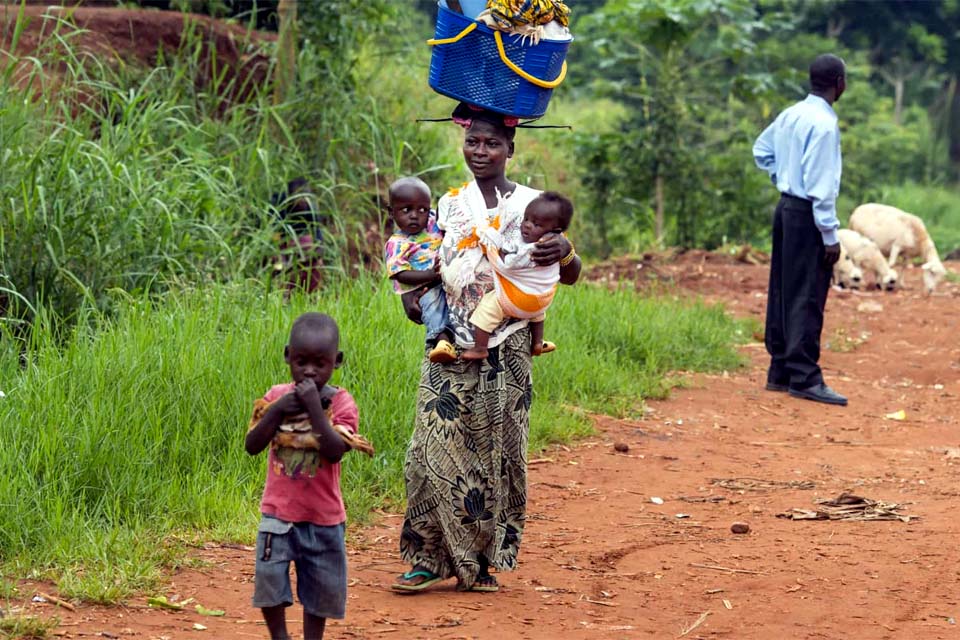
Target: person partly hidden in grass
[(301, 248), (309, 425), (413, 262), (522, 289)]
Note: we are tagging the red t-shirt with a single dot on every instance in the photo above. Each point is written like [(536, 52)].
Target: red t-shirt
[(301, 485)]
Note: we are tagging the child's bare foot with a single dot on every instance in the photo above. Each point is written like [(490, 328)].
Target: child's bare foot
[(443, 353), (475, 354), (543, 347)]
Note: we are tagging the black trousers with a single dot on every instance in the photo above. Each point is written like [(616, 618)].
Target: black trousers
[(797, 296)]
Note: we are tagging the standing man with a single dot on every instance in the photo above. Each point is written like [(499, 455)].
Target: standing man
[(801, 152)]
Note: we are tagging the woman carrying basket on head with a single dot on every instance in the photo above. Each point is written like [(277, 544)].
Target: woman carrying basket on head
[(466, 464)]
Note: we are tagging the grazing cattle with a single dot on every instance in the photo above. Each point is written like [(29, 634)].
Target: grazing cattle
[(898, 233), (846, 273), (866, 255)]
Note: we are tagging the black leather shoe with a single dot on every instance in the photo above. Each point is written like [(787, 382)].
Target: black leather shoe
[(820, 393), (773, 386)]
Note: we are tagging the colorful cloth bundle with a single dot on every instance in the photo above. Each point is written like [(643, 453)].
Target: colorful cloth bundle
[(513, 13), (525, 17)]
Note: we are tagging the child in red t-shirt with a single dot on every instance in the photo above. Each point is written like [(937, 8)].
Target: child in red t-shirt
[(308, 425)]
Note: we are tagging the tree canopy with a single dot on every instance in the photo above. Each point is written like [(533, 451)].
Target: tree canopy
[(693, 83)]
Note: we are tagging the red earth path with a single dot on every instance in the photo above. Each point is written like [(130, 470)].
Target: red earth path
[(600, 560)]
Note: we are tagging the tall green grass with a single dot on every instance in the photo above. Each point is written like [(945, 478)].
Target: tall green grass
[(121, 178), (617, 348), (127, 437)]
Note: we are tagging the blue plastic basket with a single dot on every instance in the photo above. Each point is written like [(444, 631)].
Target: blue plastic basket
[(471, 69)]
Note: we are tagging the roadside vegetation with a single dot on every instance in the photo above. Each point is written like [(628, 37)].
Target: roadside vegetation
[(140, 304), (123, 440)]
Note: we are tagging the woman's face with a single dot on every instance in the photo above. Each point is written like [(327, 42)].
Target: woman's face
[(486, 149)]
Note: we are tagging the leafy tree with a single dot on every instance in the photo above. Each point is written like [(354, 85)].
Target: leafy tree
[(701, 78), (676, 64), (911, 48)]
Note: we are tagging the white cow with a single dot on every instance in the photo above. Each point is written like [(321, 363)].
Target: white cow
[(899, 233), (866, 254)]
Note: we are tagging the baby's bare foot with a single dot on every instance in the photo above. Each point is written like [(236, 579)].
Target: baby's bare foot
[(542, 348), (475, 354)]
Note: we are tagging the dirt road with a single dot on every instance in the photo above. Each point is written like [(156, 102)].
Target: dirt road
[(600, 560)]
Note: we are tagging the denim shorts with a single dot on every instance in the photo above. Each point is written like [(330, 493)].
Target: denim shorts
[(434, 313), (320, 557)]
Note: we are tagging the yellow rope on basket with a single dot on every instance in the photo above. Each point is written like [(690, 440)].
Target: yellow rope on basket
[(456, 38), (545, 84)]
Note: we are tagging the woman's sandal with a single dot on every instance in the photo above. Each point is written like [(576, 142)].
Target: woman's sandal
[(485, 584), (429, 579), (444, 353)]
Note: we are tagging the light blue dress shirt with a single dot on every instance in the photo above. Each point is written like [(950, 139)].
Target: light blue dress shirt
[(801, 152)]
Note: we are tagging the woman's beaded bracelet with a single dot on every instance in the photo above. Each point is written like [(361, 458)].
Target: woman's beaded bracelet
[(567, 259)]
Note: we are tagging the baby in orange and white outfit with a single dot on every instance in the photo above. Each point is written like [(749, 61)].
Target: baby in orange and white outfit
[(522, 288)]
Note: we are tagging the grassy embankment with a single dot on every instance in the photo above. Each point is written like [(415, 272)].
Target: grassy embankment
[(126, 440)]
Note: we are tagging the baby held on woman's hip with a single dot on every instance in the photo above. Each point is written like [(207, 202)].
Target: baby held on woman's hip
[(522, 288), (413, 261)]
